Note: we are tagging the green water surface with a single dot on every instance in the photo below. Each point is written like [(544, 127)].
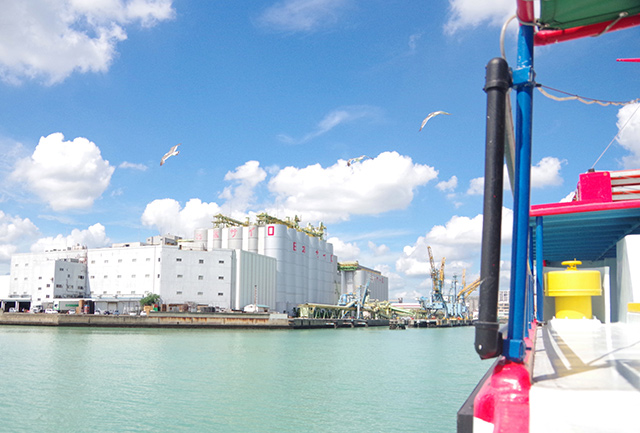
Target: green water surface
[(166, 380)]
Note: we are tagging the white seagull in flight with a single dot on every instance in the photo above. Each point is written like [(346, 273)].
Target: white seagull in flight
[(435, 113), (174, 151), (354, 160)]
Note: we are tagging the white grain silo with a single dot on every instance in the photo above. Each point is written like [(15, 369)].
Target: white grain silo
[(251, 236)]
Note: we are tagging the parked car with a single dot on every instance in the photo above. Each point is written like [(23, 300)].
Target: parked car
[(50, 311)]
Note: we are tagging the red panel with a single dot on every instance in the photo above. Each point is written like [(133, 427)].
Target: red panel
[(595, 186), (545, 37)]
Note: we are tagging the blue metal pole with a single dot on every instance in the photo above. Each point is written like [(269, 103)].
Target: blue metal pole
[(523, 83), (539, 271)]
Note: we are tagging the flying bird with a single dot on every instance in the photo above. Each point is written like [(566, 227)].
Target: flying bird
[(435, 113), (354, 160), (174, 151)]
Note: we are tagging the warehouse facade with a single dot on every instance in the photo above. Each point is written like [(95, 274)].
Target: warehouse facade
[(225, 267)]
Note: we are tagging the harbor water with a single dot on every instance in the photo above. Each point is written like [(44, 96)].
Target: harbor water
[(194, 380)]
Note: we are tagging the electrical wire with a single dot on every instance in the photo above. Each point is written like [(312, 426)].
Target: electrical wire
[(582, 99), (616, 136)]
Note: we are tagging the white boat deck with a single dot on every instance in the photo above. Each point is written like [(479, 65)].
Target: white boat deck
[(586, 377)]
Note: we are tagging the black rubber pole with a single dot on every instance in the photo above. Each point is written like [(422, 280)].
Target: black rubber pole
[(488, 339)]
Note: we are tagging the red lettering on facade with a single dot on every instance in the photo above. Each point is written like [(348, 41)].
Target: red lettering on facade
[(295, 247), (271, 231)]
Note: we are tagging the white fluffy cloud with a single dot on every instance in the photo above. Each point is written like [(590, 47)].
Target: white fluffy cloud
[(336, 192), (245, 179), (65, 174), (303, 15), (170, 218), (133, 166), (378, 250), (472, 13), (14, 230), (50, 39), (345, 251), (459, 241), (448, 185), (93, 237), (629, 135), (476, 186), (545, 173)]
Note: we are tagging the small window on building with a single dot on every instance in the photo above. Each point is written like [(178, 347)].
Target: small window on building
[(26, 278), (106, 261), (158, 258), (61, 269), (134, 260), (47, 296), (106, 276), (133, 275), (221, 262), (178, 259), (39, 278), (48, 285), (201, 261), (179, 275), (118, 292), (220, 294), (58, 286), (199, 293), (80, 287), (81, 277), (119, 260), (39, 299), (148, 259), (93, 276), (104, 293), (26, 264), (220, 277), (147, 275), (158, 275), (178, 292), (119, 276), (93, 262), (201, 277), (39, 288)]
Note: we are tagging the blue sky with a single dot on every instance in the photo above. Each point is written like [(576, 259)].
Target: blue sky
[(269, 100)]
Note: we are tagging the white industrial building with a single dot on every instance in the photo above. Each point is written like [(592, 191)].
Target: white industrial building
[(278, 265), (355, 276)]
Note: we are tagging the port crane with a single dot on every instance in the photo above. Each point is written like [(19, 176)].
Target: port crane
[(460, 308), (436, 304)]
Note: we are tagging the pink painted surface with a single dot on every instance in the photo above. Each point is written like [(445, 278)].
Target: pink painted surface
[(595, 186), (503, 399)]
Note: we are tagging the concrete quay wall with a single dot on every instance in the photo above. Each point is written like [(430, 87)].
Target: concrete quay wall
[(154, 320)]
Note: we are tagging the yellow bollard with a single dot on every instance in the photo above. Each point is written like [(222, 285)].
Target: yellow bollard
[(573, 290)]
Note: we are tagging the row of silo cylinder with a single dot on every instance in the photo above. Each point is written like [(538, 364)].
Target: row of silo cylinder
[(306, 269)]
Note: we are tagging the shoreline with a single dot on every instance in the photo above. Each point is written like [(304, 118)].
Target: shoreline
[(211, 320)]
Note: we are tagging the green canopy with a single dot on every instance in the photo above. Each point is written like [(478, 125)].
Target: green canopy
[(565, 14)]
